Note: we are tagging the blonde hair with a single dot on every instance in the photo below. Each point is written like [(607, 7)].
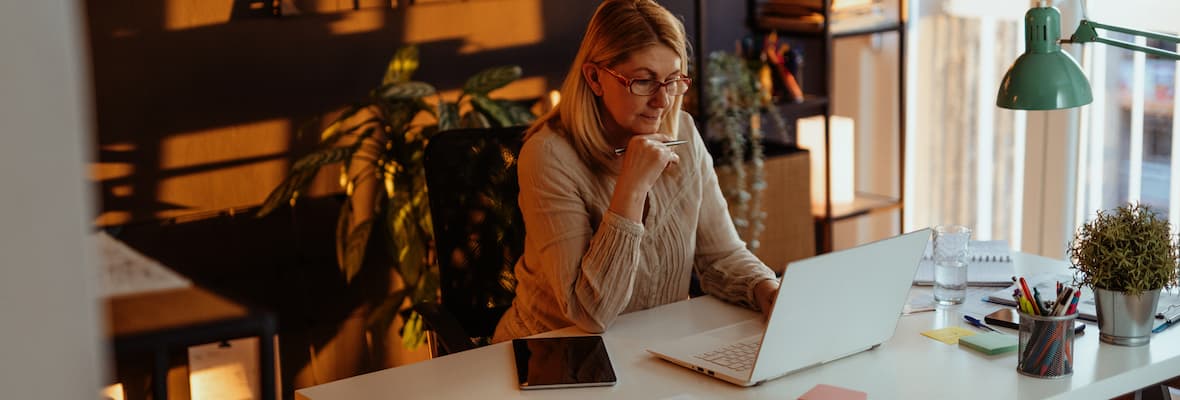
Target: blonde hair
[(618, 29)]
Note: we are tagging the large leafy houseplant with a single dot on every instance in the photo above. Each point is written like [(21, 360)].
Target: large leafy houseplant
[(380, 148)]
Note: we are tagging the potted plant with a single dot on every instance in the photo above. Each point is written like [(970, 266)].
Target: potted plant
[(1126, 256), (378, 144), (734, 109)]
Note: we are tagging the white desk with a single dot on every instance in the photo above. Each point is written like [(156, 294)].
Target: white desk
[(908, 366)]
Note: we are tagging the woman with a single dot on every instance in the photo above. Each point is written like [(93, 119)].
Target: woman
[(606, 233)]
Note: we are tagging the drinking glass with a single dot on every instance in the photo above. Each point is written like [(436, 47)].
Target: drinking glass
[(950, 263)]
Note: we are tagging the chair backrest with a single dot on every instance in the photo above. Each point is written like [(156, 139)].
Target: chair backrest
[(478, 228)]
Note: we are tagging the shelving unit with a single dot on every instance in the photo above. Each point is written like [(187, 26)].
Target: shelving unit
[(717, 25), (819, 65)]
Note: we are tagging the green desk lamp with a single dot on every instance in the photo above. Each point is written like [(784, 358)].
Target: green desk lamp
[(1047, 78)]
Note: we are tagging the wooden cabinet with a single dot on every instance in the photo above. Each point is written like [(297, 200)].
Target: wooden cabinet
[(789, 233)]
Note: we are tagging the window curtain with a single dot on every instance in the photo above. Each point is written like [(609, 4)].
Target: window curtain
[(966, 155)]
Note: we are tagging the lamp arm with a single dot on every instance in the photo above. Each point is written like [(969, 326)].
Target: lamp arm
[(1086, 33)]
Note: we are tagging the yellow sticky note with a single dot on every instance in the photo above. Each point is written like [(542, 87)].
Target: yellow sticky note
[(948, 335)]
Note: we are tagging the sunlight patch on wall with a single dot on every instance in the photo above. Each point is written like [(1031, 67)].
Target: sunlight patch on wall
[(359, 21), (188, 14), (222, 167), (102, 171), (225, 144), (482, 25)]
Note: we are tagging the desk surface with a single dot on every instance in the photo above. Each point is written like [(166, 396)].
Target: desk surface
[(908, 366)]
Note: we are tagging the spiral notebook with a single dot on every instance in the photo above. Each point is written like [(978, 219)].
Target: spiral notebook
[(989, 263)]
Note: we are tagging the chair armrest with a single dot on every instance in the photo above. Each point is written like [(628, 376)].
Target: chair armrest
[(452, 338)]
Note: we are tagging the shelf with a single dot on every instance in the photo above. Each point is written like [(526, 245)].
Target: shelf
[(863, 203), (859, 29), (809, 107), (770, 149), (845, 27)]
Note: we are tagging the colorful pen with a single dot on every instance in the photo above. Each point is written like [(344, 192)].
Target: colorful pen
[(1028, 295)]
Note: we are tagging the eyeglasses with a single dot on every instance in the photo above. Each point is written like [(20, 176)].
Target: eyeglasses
[(648, 87)]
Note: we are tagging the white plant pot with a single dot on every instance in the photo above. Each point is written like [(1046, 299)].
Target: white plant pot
[(1125, 320)]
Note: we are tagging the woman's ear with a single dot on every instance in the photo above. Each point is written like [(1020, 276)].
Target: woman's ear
[(590, 73)]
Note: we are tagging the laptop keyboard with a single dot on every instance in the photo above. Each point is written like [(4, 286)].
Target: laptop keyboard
[(738, 356)]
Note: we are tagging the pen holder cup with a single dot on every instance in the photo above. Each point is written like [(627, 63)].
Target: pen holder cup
[(1046, 346)]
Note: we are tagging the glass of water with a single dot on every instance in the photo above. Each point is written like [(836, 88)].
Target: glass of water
[(950, 263)]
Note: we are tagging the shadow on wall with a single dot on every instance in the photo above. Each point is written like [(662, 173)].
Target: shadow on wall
[(197, 115)]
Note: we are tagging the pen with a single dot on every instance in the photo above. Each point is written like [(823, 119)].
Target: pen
[(1037, 302), (1167, 322), (670, 143), (977, 323), (1162, 326)]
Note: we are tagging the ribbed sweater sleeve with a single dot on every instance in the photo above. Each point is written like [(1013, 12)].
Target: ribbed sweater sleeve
[(590, 271), (726, 268)]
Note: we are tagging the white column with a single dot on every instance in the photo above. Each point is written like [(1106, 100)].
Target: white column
[(50, 340)]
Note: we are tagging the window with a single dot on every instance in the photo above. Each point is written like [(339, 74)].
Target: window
[(1125, 144)]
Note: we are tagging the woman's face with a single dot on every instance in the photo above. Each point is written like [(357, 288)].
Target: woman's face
[(629, 114)]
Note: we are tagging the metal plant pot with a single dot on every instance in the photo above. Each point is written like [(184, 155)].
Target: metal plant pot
[(1125, 320)]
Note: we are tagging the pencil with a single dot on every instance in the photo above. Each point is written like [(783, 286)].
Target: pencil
[(670, 143)]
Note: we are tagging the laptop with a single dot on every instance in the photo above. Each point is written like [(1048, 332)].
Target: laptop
[(828, 307)]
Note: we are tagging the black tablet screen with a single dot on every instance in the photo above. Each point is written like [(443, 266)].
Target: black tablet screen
[(556, 362)]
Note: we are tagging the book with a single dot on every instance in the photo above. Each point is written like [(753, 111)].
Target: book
[(1047, 283), (989, 263)]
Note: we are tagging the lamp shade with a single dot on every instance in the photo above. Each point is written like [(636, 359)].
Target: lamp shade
[(1044, 77)]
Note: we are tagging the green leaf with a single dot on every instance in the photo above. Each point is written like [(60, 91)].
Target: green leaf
[(333, 131), (401, 66), (412, 333), (323, 157), (284, 193), (406, 91), (354, 253), (491, 110), (491, 79), (342, 231), (473, 119), (448, 116), (518, 113), (381, 318)]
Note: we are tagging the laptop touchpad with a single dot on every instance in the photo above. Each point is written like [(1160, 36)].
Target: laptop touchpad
[(739, 331)]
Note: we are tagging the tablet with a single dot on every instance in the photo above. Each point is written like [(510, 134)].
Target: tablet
[(562, 362)]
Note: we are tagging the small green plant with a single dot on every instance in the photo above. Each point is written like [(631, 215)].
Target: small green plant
[(1130, 249)]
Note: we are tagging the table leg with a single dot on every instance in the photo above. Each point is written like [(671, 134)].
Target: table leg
[(266, 364), (160, 374)]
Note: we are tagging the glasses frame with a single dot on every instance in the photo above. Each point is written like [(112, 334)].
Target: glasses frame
[(629, 82)]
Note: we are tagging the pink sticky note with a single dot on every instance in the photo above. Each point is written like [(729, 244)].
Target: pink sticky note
[(829, 392)]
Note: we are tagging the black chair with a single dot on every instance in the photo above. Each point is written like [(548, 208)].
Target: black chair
[(478, 232)]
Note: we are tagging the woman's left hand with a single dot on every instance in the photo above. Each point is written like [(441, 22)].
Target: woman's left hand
[(765, 293)]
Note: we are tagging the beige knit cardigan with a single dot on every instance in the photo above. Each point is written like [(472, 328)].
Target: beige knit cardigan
[(585, 265)]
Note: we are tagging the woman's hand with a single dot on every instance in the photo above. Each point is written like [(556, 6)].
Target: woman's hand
[(645, 160), (764, 293)]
